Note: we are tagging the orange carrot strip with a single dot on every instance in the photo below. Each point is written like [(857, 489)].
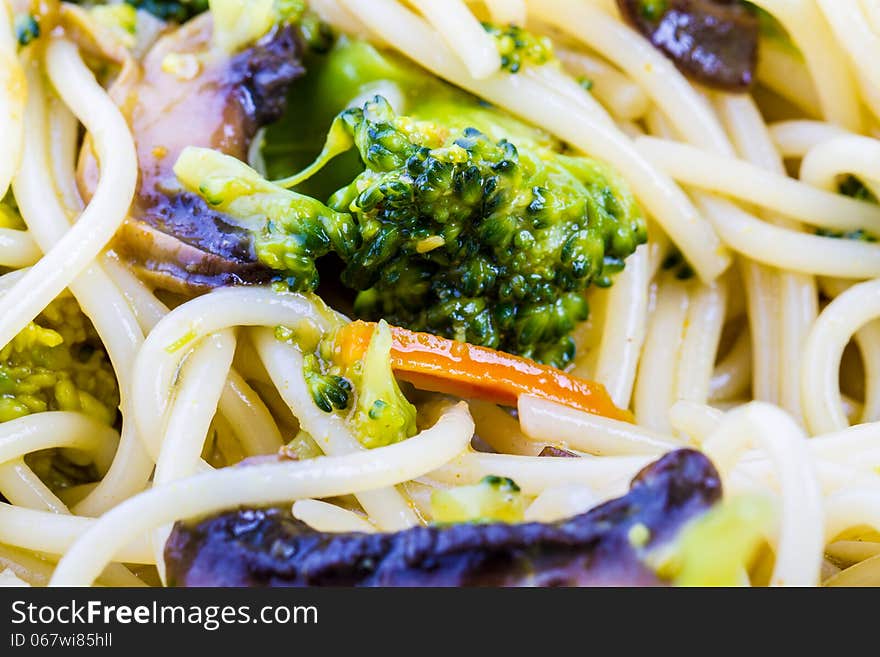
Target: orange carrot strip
[(433, 363)]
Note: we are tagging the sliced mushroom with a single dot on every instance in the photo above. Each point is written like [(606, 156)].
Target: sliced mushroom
[(187, 94), (268, 547), (714, 42)]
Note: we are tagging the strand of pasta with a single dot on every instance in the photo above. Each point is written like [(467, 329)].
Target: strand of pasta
[(655, 385), (593, 434), (27, 566), (196, 397), (247, 414), (261, 485), (695, 420), (17, 249), (805, 253), (853, 447), (733, 373), (852, 154), (849, 553), (828, 67), (502, 432), (54, 533), (798, 293), (93, 289), (250, 419), (763, 298), (63, 141), (57, 429), (854, 35), (325, 517), (852, 508), (21, 487), (168, 343), (865, 574), (800, 536), (113, 194), (749, 183), (836, 325), (556, 80), (667, 203), (608, 476), (463, 34), (507, 12), (24, 489), (386, 507), (621, 45), (13, 90), (795, 138), (761, 287), (624, 329), (782, 70), (699, 346), (623, 98), (560, 502), (868, 340)]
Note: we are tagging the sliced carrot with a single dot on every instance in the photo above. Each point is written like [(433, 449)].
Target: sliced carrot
[(433, 363)]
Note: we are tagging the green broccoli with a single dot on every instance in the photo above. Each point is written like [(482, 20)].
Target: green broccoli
[(446, 230), (455, 219), (56, 364), (519, 48), (854, 188), (494, 499), (382, 414)]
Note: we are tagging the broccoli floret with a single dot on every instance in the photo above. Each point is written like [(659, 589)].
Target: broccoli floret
[(677, 263), (478, 239), (854, 188), (494, 499), (290, 230), (519, 48), (453, 218), (379, 412), (447, 230), (382, 414), (56, 364), (329, 391), (27, 28)]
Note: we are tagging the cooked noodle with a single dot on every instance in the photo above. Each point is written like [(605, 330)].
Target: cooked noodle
[(747, 327)]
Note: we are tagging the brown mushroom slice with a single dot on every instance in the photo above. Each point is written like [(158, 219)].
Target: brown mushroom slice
[(189, 95), (714, 42)]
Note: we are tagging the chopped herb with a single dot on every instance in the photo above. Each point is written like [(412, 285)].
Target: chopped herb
[(27, 28)]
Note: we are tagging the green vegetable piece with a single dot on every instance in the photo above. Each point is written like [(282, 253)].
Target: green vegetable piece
[(717, 548), (27, 28), (329, 391), (494, 499), (382, 414), (453, 218), (56, 364), (519, 48), (290, 230)]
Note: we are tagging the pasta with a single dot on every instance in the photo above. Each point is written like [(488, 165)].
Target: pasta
[(569, 268)]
